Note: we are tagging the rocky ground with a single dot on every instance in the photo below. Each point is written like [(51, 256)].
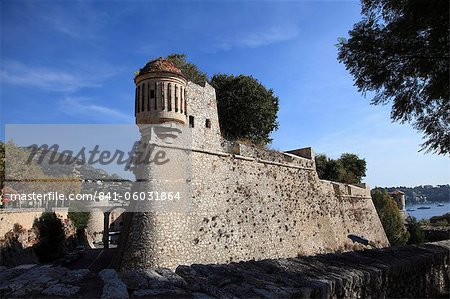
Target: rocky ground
[(410, 271)]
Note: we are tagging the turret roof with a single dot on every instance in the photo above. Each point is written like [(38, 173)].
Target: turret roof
[(160, 65)]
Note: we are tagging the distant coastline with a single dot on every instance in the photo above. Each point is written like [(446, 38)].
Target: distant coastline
[(424, 194)]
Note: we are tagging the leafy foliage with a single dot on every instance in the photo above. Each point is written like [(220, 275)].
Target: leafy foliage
[(190, 71), (79, 219), (417, 236), (247, 110), (328, 169), (354, 168), (349, 168), (51, 237), (390, 217), (400, 51)]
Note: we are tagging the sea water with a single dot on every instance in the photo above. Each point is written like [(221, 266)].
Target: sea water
[(434, 210)]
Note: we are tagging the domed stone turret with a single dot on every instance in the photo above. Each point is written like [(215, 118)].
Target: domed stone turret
[(160, 93)]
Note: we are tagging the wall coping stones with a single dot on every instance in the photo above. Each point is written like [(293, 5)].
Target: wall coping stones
[(407, 271)]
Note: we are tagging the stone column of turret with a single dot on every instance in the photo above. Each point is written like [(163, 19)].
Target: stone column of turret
[(161, 168), (399, 198)]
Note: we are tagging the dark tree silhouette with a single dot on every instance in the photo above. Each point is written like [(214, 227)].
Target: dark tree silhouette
[(400, 51), (349, 168), (247, 110)]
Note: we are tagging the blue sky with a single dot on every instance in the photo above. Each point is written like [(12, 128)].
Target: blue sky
[(73, 62)]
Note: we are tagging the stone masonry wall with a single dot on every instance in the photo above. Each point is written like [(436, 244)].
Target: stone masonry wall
[(202, 106), (246, 209), (247, 203)]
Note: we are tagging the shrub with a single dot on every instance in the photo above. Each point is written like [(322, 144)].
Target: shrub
[(51, 237), (349, 168), (79, 219), (247, 109), (416, 234), (390, 218)]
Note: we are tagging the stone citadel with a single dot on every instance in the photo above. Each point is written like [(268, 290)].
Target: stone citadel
[(246, 202)]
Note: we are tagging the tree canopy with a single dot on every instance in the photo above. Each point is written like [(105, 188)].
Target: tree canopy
[(416, 234), (51, 237), (400, 52), (247, 109), (390, 217), (79, 219), (349, 168), (328, 169), (190, 70)]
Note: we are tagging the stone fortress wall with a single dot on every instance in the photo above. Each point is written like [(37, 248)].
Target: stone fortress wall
[(249, 203)]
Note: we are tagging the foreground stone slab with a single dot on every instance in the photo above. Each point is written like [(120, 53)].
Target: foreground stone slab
[(75, 275), (408, 271), (33, 280), (113, 286), (419, 271), (61, 290)]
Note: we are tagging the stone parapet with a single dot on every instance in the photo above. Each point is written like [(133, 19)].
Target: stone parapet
[(419, 271)]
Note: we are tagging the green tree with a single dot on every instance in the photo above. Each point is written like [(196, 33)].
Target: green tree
[(354, 168), (321, 165), (79, 219), (390, 217), (417, 236), (400, 51), (328, 169), (247, 110), (51, 237), (190, 71), (349, 168)]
